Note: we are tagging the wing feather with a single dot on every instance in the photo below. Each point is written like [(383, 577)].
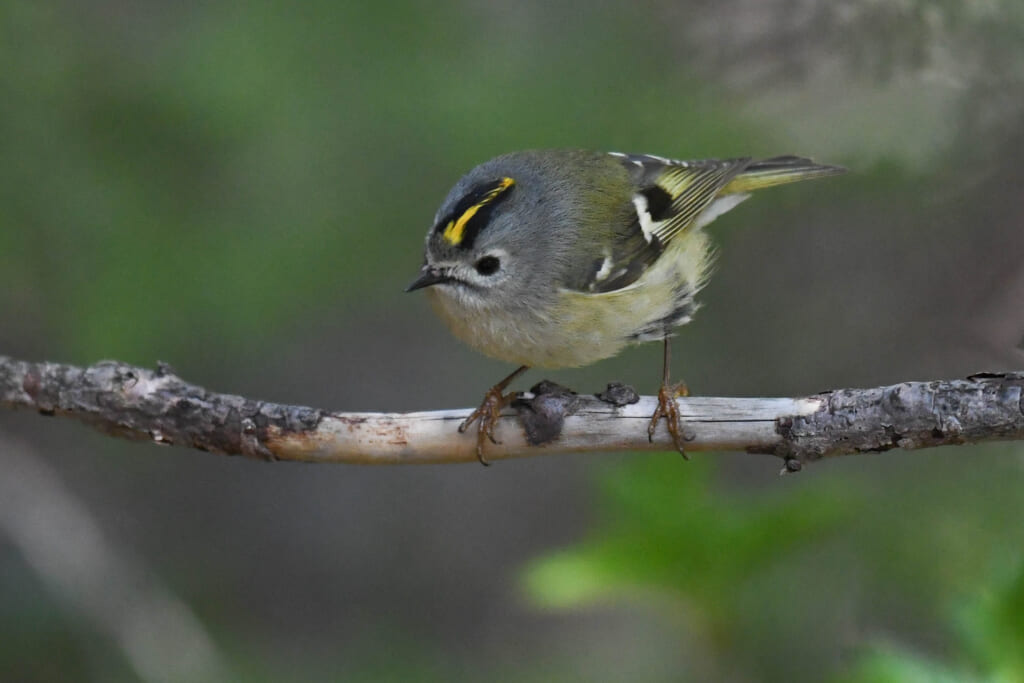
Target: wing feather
[(674, 196)]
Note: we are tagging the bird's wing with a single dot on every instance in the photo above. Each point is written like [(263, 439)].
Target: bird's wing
[(673, 196)]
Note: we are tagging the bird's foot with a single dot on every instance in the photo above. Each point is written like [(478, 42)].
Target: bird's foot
[(669, 409), (487, 415)]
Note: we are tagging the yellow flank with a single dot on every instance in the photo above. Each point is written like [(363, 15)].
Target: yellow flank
[(456, 230)]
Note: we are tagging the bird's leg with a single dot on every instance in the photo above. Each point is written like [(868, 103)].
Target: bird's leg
[(489, 411), (668, 408)]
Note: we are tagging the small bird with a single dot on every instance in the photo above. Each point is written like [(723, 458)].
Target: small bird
[(560, 258)]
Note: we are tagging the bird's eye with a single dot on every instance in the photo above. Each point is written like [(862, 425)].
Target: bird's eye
[(488, 265)]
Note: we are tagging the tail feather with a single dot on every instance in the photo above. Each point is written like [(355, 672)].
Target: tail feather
[(778, 171)]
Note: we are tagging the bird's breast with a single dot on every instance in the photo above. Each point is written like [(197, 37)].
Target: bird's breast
[(575, 328)]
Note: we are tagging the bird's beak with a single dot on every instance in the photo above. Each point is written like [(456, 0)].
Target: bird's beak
[(429, 275)]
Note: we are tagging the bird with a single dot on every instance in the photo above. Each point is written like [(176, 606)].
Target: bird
[(557, 258)]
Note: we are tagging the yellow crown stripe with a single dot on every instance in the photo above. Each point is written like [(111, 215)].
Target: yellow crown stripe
[(455, 231)]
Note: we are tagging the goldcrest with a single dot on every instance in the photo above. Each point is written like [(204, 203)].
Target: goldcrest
[(560, 258)]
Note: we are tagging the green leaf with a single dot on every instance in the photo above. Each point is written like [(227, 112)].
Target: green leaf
[(669, 527), (993, 628), (887, 664)]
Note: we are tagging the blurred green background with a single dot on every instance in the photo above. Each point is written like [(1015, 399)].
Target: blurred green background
[(242, 190)]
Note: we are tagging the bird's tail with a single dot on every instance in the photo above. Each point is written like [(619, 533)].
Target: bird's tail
[(777, 171)]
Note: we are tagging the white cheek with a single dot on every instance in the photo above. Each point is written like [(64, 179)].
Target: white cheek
[(459, 298)]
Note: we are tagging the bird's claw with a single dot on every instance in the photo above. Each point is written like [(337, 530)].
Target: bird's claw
[(487, 415), (669, 409)]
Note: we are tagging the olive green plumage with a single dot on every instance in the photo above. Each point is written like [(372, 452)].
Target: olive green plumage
[(556, 258)]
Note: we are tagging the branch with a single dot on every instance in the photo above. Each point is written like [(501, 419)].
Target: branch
[(155, 405)]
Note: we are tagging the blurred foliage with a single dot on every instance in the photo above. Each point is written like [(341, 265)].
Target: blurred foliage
[(681, 535), (256, 165), (991, 635), (853, 551), (208, 183)]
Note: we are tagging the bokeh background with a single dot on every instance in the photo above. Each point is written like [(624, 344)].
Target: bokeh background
[(242, 189)]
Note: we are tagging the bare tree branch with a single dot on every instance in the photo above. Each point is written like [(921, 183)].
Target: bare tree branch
[(155, 405)]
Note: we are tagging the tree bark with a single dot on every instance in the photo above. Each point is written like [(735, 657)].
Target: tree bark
[(155, 405)]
